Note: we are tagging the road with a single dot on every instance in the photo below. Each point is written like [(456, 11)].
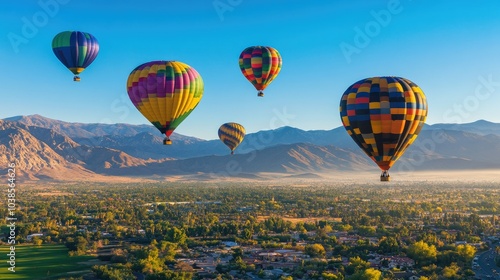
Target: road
[(487, 266)]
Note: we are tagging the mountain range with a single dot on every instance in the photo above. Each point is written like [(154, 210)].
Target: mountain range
[(48, 149)]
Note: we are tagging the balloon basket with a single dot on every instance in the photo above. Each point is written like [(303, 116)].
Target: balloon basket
[(167, 141), (260, 94), (385, 178), (76, 79)]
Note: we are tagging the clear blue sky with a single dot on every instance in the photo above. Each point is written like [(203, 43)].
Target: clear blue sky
[(451, 49)]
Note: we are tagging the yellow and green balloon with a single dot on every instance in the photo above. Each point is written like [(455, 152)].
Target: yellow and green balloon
[(165, 92)]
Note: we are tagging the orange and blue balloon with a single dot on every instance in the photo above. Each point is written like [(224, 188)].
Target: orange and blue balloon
[(76, 50), (165, 92), (383, 115), (260, 65), (231, 134)]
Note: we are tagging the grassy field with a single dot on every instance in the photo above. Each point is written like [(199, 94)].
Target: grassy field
[(43, 262)]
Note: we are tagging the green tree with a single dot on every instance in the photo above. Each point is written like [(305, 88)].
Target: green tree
[(315, 250), (466, 252), (331, 276), (367, 274), (109, 273), (240, 264), (168, 250), (37, 241), (151, 263), (451, 271), (388, 245), (237, 252), (176, 235), (356, 265), (422, 253)]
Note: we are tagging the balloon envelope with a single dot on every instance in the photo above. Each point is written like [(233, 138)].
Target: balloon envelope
[(383, 115), (231, 134), (75, 49), (260, 65), (165, 92)]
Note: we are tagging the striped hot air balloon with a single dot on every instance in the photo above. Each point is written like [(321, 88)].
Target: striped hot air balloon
[(231, 134), (76, 50), (260, 65), (383, 115), (165, 92)]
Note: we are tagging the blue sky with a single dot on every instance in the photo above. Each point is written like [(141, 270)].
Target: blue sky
[(449, 48)]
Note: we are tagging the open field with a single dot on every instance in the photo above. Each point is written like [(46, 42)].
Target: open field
[(43, 262)]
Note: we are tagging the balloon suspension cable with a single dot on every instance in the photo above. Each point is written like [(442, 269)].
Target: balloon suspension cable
[(260, 94), (167, 141), (76, 78)]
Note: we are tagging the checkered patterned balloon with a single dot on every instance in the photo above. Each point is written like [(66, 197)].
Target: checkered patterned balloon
[(383, 115), (260, 65), (231, 134), (165, 92)]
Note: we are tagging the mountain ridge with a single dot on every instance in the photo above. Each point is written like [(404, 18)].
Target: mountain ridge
[(45, 150)]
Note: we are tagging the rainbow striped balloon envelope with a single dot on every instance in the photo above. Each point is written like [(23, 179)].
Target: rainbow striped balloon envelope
[(231, 134), (76, 50), (165, 92), (383, 115), (260, 65)]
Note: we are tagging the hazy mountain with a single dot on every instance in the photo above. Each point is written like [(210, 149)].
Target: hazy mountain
[(480, 127), (451, 149), (92, 130), (291, 158), (33, 158), (41, 152), (46, 148)]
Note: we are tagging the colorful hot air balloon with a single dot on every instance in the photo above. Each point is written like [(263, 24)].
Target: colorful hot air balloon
[(232, 135), (76, 50), (260, 65), (383, 115), (165, 92)]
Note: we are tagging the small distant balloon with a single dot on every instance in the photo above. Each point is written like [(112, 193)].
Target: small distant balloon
[(384, 116), (231, 134), (76, 50), (165, 92), (260, 65)]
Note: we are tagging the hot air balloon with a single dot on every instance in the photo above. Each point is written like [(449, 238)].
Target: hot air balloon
[(231, 134), (383, 115), (76, 50), (260, 65), (165, 92)]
